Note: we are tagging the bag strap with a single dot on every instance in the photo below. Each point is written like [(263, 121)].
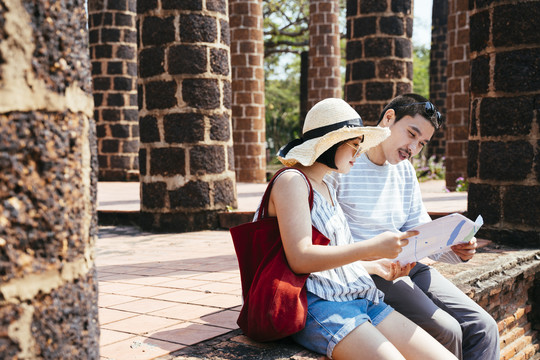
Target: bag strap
[(263, 209)]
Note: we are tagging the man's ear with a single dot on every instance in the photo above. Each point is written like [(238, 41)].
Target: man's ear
[(388, 118)]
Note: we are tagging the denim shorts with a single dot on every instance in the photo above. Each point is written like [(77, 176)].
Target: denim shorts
[(328, 322)]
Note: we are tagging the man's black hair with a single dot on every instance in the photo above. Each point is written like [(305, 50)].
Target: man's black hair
[(399, 105)]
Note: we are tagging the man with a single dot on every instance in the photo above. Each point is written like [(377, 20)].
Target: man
[(381, 193)]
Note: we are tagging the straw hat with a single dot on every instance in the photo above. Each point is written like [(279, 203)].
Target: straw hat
[(329, 122)]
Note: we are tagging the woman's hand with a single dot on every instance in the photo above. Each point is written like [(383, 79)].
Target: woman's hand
[(387, 269), (389, 244)]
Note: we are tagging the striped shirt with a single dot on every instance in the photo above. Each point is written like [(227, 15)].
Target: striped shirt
[(383, 198), (344, 283)]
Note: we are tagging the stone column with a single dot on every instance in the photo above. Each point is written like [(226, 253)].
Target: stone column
[(457, 98), (186, 155), (437, 71), (324, 75), (379, 54), (113, 49), (247, 58), (48, 178), (504, 146)]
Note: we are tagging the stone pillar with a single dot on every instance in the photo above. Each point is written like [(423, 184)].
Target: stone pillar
[(186, 156), (247, 59), (304, 64), (379, 55), (504, 145), (113, 49), (437, 71), (324, 75), (48, 179), (457, 98)]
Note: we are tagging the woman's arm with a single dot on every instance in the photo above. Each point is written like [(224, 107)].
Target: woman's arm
[(289, 202)]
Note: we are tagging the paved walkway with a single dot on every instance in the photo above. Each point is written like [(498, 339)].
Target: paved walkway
[(162, 293)]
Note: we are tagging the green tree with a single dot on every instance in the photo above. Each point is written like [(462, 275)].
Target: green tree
[(421, 70)]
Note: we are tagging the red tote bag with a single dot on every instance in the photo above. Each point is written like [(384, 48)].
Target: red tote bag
[(275, 299)]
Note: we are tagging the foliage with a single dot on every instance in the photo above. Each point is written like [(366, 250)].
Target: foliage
[(421, 70), (428, 169), (282, 103), (462, 184)]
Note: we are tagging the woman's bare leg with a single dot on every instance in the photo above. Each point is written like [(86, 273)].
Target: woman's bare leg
[(366, 342), (411, 340)]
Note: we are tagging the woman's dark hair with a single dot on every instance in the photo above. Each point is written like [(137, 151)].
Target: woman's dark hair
[(328, 157)]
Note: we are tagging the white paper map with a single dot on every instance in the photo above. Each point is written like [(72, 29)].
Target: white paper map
[(438, 235)]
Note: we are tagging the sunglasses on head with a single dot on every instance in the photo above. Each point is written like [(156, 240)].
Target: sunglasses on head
[(429, 109)]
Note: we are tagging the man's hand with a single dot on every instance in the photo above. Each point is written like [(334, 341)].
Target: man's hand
[(388, 270), (466, 251)]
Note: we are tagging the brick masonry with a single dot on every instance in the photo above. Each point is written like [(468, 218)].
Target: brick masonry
[(379, 55), (504, 140), (324, 75), (437, 72), (248, 112), (48, 179), (506, 283), (113, 50), (457, 99), (184, 89)]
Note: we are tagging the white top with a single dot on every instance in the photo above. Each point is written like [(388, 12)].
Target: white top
[(383, 198), (344, 283)]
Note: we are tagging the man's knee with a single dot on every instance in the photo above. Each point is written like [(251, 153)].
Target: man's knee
[(447, 330), (446, 327), (483, 330)]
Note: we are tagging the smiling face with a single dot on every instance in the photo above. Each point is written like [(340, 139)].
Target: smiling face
[(408, 136)]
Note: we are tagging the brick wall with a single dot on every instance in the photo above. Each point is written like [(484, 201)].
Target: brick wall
[(113, 50), (184, 90), (504, 145), (379, 55), (437, 71), (248, 115), (506, 283), (457, 99), (324, 75), (48, 178)]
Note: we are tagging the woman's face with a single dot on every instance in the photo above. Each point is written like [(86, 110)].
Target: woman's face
[(346, 155)]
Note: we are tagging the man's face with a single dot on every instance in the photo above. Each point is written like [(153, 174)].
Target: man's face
[(408, 136)]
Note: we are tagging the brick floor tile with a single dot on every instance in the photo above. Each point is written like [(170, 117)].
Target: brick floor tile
[(150, 271), (146, 280), (147, 291), (182, 296), (214, 276), (188, 333), (220, 300), (218, 287), (143, 306), (107, 315), (138, 348), (226, 319), (141, 324), (185, 312), (182, 283), (107, 337), (116, 288), (105, 300), (180, 274)]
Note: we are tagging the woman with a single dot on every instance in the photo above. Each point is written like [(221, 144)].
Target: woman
[(346, 312)]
